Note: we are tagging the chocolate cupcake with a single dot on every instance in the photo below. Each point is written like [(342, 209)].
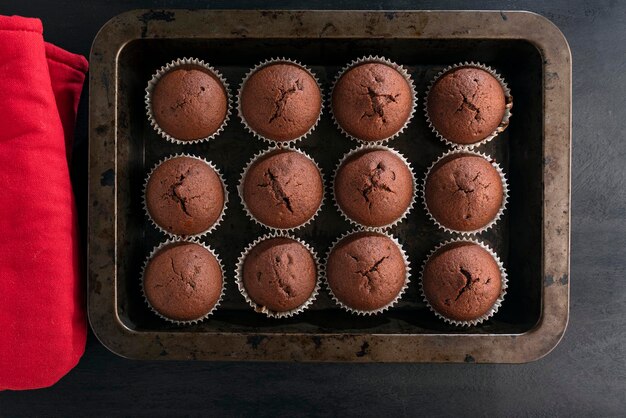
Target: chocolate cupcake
[(366, 272), (277, 274), (182, 281), (185, 195), (373, 99), (187, 101), (468, 104), (465, 192), (280, 100), (282, 188), (374, 186), (463, 282)]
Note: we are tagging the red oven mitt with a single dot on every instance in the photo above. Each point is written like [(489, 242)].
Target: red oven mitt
[(42, 315)]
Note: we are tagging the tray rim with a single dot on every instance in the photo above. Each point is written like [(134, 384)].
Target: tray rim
[(355, 347)]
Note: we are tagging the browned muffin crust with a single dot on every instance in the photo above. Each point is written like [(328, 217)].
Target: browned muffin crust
[(281, 101), (184, 196), (183, 281), (466, 105), (372, 101), (374, 187), (189, 103), (279, 274), (464, 192), (283, 189), (462, 281), (366, 271)]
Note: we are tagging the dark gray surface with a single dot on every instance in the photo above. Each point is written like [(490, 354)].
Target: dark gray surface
[(585, 375)]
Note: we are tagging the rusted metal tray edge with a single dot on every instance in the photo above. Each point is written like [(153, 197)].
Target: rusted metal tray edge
[(488, 348)]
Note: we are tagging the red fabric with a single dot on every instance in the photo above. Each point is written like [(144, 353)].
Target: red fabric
[(67, 74), (42, 316)]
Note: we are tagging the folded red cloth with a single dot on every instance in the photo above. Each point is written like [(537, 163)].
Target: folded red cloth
[(42, 316)]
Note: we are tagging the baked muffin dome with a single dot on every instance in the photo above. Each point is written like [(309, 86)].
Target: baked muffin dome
[(366, 271), (189, 102), (183, 281), (280, 101), (466, 105), (374, 187), (462, 281), (279, 274), (283, 189), (185, 196), (464, 192), (372, 101)]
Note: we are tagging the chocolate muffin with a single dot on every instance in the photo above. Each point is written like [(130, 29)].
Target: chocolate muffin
[(185, 196), (374, 187), (462, 281), (464, 192), (466, 105), (280, 101), (366, 271), (183, 281), (189, 102), (279, 275), (283, 189), (372, 101)]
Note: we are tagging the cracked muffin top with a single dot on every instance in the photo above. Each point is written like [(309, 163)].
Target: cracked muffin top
[(280, 101), (466, 105), (464, 192), (183, 281), (279, 274), (283, 189), (189, 103), (372, 101), (462, 281), (366, 271), (184, 196), (374, 187)]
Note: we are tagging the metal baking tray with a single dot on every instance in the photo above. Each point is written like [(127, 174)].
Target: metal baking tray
[(532, 238)]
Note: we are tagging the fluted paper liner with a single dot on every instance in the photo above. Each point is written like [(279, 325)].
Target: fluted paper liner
[(381, 60), (211, 228), (158, 248), (507, 110), (400, 293), (165, 69), (495, 306), (366, 148), (263, 309), (265, 63), (262, 154)]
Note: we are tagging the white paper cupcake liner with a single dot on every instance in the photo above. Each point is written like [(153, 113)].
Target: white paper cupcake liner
[(279, 60), (193, 236), (400, 293), (262, 154), (158, 248), (495, 306), (507, 111), (172, 65), (505, 192), (369, 147), (380, 60), (262, 309)]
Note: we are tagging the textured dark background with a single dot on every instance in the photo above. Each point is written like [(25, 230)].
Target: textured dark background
[(584, 376)]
